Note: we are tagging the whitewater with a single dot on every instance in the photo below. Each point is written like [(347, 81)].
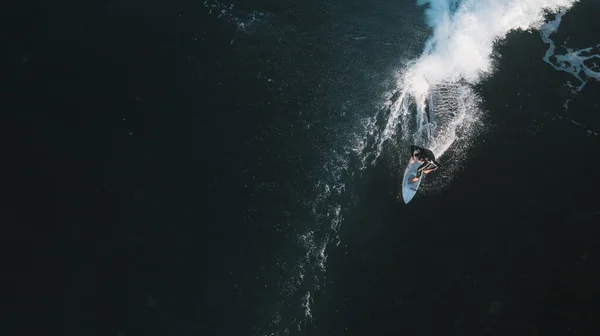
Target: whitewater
[(459, 55)]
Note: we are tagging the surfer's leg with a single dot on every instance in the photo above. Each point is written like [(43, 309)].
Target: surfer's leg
[(419, 172), (430, 167)]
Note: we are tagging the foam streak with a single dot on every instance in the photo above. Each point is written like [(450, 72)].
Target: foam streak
[(579, 63)]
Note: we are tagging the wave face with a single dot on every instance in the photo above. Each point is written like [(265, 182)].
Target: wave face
[(435, 104)]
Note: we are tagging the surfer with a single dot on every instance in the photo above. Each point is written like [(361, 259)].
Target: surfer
[(425, 156)]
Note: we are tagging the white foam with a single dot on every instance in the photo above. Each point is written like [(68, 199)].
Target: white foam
[(458, 55), (306, 301), (571, 61)]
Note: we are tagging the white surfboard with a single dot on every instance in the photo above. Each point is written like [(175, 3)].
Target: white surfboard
[(409, 189)]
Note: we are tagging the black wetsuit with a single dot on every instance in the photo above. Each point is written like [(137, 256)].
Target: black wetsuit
[(424, 154)]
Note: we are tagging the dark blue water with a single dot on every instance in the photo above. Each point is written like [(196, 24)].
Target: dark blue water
[(194, 168)]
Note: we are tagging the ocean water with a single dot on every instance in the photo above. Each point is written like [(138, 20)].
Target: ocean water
[(234, 168)]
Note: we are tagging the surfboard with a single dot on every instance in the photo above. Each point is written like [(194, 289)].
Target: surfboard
[(409, 189)]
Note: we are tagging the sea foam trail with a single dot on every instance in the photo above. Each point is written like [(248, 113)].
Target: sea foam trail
[(579, 63), (435, 103)]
